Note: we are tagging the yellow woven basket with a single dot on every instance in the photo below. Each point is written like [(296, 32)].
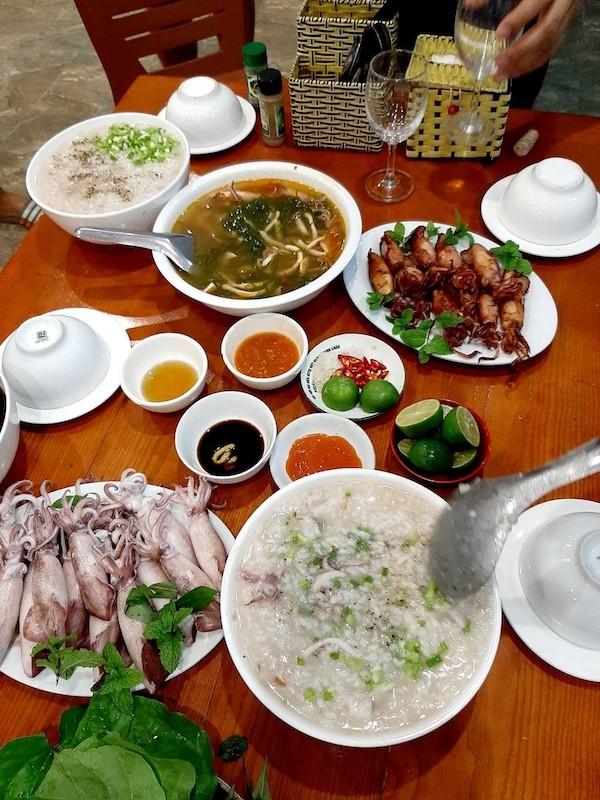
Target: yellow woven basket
[(451, 85), (325, 112), (327, 29)]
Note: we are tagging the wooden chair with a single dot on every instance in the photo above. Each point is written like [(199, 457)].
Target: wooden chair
[(169, 37)]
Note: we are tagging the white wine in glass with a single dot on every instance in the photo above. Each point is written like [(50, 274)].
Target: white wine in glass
[(477, 45), (396, 98)]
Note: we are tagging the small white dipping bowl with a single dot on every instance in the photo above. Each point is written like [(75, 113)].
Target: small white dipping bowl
[(220, 407), (208, 112), (264, 323), (278, 170), (54, 360), (9, 428), (552, 202), (328, 424), (139, 216), (154, 350)]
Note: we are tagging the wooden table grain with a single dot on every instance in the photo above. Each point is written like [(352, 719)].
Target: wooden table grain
[(531, 733)]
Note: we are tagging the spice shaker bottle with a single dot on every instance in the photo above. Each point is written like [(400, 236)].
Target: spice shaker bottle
[(270, 96), (254, 58)]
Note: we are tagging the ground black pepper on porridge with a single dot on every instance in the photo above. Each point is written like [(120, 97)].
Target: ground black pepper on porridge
[(108, 169)]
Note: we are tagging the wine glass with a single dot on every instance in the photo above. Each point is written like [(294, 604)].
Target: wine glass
[(475, 37), (396, 96)]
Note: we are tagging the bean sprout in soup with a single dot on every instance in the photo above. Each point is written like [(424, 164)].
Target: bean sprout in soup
[(336, 611), (108, 168), (261, 238)]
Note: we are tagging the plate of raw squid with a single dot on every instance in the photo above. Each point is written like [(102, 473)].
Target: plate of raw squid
[(134, 527), (509, 317)]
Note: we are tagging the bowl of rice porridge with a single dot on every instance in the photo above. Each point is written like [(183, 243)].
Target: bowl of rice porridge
[(333, 621), (115, 171)]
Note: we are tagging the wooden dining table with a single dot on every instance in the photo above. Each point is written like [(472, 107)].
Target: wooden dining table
[(532, 732)]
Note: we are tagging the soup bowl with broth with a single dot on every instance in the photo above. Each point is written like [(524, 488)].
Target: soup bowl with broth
[(269, 236), (113, 171), (333, 621)]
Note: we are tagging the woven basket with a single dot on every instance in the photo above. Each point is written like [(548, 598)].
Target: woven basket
[(327, 29), (325, 112), (452, 85)]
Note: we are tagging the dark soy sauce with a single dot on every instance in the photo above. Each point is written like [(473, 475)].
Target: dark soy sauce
[(230, 447)]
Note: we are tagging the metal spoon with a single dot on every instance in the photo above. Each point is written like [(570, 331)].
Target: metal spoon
[(471, 531), (179, 247)]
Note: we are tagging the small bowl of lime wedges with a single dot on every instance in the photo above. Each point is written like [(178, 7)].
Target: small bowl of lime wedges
[(440, 442)]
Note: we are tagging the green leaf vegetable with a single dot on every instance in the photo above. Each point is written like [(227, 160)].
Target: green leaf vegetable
[(163, 626), (420, 336), (61, 658), (138, 750), (510, 258)]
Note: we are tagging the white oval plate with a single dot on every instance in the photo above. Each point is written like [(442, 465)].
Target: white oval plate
[(579, 662), (329, 424), (246, 130), (541, 315), (489, 212), (80, 683), (117, 342), (322, 362)]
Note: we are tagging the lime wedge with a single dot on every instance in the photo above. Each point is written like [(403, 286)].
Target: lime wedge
[(460, 428), (464, 458), (420, 418), (404, 446)]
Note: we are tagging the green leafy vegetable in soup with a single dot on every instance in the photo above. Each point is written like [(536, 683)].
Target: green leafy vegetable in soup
[(261, 238)]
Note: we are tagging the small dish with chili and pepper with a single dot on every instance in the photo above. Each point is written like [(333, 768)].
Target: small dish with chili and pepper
[(316, 443), (353, 361), (265, 351), (226, 437)]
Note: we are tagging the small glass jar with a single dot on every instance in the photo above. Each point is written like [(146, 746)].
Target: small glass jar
[(270, 96), (254, 58)]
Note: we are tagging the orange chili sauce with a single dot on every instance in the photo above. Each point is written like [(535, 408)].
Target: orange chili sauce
[(266, 354), (317, 452)]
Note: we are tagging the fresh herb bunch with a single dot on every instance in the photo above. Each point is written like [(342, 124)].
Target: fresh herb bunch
[(120, 745), (420, 337), (139, 145), (163, 626)]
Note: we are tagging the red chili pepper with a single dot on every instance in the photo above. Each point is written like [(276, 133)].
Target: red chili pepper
[(361, 370)]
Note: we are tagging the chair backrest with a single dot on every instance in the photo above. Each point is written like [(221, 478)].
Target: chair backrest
[(169, 37)]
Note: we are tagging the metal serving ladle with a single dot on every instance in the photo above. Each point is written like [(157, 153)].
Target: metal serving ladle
[(470, 533), (179, 247)]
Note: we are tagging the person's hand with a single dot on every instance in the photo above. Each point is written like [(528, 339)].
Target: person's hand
[(540, 42)]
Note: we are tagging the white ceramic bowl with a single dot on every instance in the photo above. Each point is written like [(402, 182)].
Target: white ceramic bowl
[(264, 323), (148, 353), (52, 361), (207, 111), (298, 173), (297, 496), (328, 424), (559, 569), (9, 428), (138, 216), (217, 408), (552, 202)]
